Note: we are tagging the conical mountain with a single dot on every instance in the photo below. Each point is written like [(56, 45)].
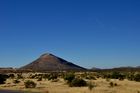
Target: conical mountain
[(50, 62)]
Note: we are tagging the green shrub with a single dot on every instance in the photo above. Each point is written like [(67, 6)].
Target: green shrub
[(16, 81), (19, 76), (113, 84), (130, 77), (69, 77), (12, 76), (52, 77), (30, 84), (137, 77), (45, 76), (39, 79), (77, 83), (114, 75), (55, 80), (3, 78), (117, 75), (90, 77)]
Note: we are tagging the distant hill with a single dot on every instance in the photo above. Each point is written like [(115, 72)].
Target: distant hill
[(50, 62), (94, 69), (138, 67), (7, 69), (124, 69)]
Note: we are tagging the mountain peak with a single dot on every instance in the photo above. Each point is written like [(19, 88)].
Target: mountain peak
[(46, 54), (50, 62)]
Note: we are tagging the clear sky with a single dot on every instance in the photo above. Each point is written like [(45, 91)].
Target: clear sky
[(90, 33)]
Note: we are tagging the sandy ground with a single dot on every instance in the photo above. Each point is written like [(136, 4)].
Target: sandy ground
[(102, 86)]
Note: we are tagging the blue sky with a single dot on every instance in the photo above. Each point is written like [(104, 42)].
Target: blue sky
[(90, 33)]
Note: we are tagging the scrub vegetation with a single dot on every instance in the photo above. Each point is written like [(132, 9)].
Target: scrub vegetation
[(73, 82)]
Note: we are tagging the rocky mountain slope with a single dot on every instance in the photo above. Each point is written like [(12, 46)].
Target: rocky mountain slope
[(50, 62)]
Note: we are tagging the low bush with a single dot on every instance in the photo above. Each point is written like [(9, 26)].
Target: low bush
[(16, 81), (52, 76), (19, 76), (45, 76), (77, 83), (3, 78), (55, 80), (12, 76), (39, 79), (137, 77), (113, 84), (30, 84), (69, 77), (90, 77)]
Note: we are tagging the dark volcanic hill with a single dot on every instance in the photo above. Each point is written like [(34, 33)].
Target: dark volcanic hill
[(50, 62)]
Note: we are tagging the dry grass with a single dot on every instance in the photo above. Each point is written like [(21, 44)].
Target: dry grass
[(103, 86)]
